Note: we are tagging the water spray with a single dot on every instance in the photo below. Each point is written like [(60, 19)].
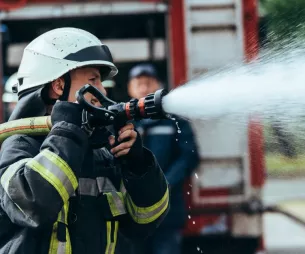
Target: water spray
[(273, 87)]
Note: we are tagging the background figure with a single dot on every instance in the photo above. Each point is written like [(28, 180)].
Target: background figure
[(109, 85), (9, 98), (177, 156)]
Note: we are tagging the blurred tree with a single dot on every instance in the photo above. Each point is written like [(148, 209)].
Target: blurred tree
[(283, 23), (285, 18)]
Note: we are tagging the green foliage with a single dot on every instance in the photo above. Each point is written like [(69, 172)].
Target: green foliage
[(280, 166), (286, 19)]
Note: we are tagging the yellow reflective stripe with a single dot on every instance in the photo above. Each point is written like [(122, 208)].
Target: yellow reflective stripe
[(68, 249), (63, 215), (51, 178), (144, 215), (66, 210), (67, 244), (154, 206), (116, 203), (10, 172), (57, 247), (54, 242), (62, 165), (108, 228), (116, 229), (110, 247)]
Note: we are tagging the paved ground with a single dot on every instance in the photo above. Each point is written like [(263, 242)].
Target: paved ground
[(282, 235)]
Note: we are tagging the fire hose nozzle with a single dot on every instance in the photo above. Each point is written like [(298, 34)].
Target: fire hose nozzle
[(109, 113), (147, 107)]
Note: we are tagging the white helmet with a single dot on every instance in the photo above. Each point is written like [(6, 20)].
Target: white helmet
[(8, 95), (55, 53)]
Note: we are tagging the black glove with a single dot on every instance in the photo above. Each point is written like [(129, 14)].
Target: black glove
[(135, 158), (68, 112)]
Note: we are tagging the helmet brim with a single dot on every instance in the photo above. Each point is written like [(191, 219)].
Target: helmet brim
[(112, 71)]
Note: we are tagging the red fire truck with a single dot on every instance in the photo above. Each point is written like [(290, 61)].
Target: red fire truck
[(184, 38)]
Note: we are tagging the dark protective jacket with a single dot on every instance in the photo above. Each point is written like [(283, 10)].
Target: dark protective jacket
[(177, 154), (46, 207)]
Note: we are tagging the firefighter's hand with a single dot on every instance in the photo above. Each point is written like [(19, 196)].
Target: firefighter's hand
[(130, 148), (127, 138)]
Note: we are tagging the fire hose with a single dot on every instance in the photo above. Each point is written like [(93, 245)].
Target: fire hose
[(109, 113), (292, 209)]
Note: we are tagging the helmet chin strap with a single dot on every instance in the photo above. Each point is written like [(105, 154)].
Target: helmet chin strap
[(66, 91), (46, 98), (63, 97)]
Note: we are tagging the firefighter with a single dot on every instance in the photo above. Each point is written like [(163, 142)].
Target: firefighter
[(58, 193), (9, 98), (173, 144)]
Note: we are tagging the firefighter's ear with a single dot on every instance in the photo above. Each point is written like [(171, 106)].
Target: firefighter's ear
[(57, 88)]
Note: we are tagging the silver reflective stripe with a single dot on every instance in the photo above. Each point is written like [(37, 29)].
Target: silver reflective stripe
[(61, 248), (119, 202), (55, 170), (122, 188), (111, 248), (87, 187), (57, 160), (10, 172), (93, 187), (104, 184), (145, 216), (161, 130), (116, 203), (62, 216)]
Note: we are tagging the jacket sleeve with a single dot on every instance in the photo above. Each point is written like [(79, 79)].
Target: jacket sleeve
[(35, 180), (187, 158), (146, 200)]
